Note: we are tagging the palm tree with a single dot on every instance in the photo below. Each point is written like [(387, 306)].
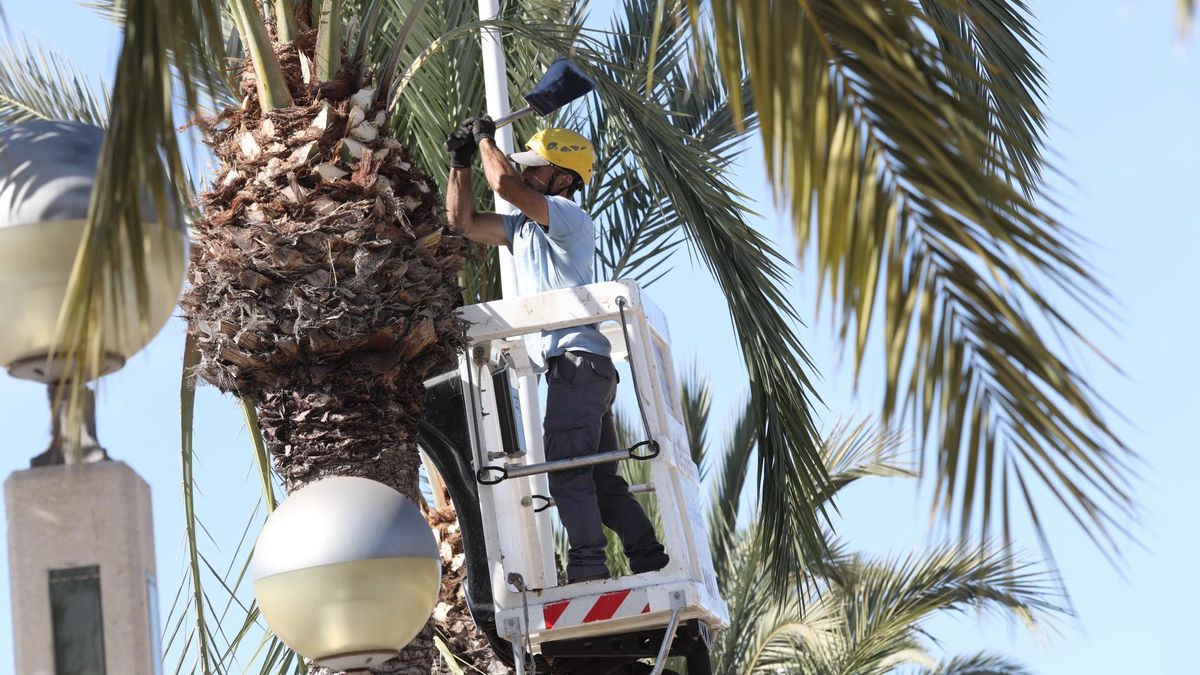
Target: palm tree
[(673, 158), (322, 284), (907, 138), (895, 115)]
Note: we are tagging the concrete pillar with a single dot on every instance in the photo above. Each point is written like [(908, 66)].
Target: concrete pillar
[(71, 528)]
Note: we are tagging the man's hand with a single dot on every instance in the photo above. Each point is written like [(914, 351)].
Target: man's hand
[(461, 146), (481, 128)]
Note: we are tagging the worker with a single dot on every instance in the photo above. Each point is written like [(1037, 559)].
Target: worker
[(553, 246)]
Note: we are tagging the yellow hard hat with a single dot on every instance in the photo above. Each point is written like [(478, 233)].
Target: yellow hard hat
[(562, 148)]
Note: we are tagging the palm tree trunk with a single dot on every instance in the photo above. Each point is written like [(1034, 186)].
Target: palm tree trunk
[(345, 427), (323, 284)]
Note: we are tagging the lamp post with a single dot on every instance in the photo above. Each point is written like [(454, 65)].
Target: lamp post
[(80, 537), (47, 170), (346, 572)]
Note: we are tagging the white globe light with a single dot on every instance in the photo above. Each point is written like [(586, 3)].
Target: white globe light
[(346, 572), (47, 170)]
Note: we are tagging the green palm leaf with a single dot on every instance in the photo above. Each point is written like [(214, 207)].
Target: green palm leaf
[(639, 229), (994, 48), (217, 88), (162, 38), (36, 83), (726, 501), (849, 614), (868, 616), (769, 633), (696, 403), (907, 139), (885, 600), (866, 448), (978, 664)]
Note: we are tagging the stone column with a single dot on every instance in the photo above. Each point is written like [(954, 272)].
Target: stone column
[(82, 575)]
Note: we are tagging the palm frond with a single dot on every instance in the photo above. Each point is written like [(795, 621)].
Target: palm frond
[(886, 600), (736, 460), (770, 633), (218, 88), (978, 664), (214, 621), (639, 228), (994, 49), (161, 39), (908, 145), (36, 83), (696, 402), (205, 657), (870, 616), (858, 450), (636, 235)]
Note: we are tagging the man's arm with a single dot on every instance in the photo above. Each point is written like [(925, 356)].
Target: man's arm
[(507, 183), (485, 228)]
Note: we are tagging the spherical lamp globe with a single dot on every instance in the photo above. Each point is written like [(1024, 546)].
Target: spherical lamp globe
[(346, 572), (47, 171)]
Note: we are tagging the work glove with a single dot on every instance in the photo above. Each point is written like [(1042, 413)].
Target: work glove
[(482, 127), (461, 146)]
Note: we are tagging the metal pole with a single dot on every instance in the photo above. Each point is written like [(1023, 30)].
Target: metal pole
[(677, 604), (495, 82)]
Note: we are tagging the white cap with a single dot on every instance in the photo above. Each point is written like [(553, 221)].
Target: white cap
[(529, 158)]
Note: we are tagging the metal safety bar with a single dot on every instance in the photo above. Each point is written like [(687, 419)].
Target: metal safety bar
[(521, 470), (547, 502)]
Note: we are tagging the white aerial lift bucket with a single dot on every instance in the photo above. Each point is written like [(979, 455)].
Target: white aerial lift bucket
[(669, 611)]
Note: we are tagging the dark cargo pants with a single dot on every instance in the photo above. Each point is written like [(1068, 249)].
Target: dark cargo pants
[(579, 422)]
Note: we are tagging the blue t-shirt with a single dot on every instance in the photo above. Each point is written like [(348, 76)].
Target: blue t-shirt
[(562, 257)]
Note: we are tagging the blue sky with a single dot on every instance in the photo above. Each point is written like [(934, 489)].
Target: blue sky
[(1123, 99)]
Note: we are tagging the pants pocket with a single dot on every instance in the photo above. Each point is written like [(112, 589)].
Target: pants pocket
[(571, 436), (597, 380), (561, 370)]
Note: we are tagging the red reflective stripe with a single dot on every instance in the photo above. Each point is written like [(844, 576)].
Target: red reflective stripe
[(646, 609), (606, 605), (552, 611)]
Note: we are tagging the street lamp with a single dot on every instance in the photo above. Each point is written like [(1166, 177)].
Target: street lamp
[(346, 572), (76, 530), (47, 171)]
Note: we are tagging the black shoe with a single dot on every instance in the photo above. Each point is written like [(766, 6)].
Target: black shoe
[(651, 563)]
